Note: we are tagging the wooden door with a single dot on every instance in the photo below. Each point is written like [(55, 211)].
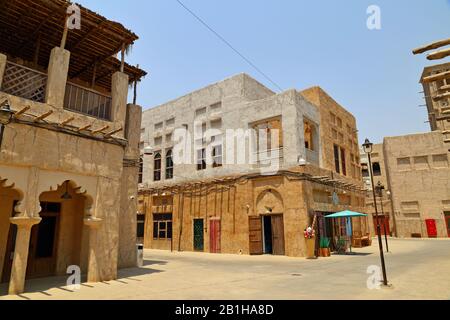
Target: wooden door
[(447, 222), (255, 235), (43, 246), (9, 253), (214, 236), (198, 235), (278, 235), (384, 225)]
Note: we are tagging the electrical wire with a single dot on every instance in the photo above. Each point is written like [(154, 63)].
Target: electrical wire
[(253, 65)]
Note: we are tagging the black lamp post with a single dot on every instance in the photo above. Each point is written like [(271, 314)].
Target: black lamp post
[(368, 150), (380, 188), (6, 115)]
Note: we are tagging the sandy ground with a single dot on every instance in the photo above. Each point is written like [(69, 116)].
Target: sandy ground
[(417, 269)]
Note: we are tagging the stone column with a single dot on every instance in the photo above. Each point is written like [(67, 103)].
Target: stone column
[(119, 95), (3, 59), (58, 68), (93, 269), (19, 267)]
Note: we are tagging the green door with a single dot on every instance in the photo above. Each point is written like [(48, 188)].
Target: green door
[(198, 235)]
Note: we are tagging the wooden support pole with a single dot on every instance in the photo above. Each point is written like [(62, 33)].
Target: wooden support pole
[(37, 51), (43, 116), (94, 74), (64, 36), (434, 45), (440, 54), (68, 120), (122, 62), (446, 87), (100, 129), (21, 111)]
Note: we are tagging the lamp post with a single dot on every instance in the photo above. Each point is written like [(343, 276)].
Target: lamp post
[(380, 188), (6, 115), (368, 150)]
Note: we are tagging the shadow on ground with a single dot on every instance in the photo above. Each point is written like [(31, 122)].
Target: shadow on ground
[(42, 285)]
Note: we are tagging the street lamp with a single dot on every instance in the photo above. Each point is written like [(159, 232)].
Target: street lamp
[(6, 115), (368, 146), (380, 188)]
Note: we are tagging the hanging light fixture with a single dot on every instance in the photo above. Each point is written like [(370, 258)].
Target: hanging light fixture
[(66, 195)]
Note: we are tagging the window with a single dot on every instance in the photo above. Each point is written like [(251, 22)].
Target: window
[(200, 112), (309, 135), (336, 159), (140, 226), (170, 122), (339, 122), (216, 124), (217, 156), (169, 165), (162, 226), (404, 163), (421, 163), (343, 162), (216, 107), (159, 126), (141, 170), (201, 159), (332, 118), (157, 167), (376, 169), (158, 141), (169, 138), (365, 170), (272, 129), (440, 161)]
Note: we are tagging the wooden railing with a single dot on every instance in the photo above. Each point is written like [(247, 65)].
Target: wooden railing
[(87, 101), (24, 82)]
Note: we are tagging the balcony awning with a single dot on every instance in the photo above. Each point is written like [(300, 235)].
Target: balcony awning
[(29, 30), (346, 214)]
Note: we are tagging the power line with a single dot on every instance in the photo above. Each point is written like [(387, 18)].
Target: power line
[(229, 45)]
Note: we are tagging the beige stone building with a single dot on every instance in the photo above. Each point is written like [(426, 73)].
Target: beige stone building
[(436, 94), (222, 207), (69, 145), (414, 169), (382, 191), (419, 174)]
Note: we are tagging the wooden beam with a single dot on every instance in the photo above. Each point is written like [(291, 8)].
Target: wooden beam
[(43, 116), (21, 111), (434, 45), (440, 54), (122, 61), (109, 134), (436, 77), (84, 127), (447, 87), (98, 60), (441, 96), (100, 129), (86, 35), (68, 120), (37, 50)]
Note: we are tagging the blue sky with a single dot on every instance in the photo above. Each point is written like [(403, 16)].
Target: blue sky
[(298, 44)]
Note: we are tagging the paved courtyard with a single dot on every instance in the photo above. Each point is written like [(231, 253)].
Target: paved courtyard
[(418, 269)]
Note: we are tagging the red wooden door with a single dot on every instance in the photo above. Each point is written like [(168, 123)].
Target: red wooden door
[(384, 225), (214, 236), (431, 228)]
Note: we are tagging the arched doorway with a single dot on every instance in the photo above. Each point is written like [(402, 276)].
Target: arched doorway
[(60, 239), (268, 226), (9, 198)]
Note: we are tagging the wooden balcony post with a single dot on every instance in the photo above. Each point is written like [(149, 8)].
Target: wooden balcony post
[(58, 68), (2, 67)]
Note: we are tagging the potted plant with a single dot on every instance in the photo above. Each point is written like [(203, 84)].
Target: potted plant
[(310, 242), (325, 247)]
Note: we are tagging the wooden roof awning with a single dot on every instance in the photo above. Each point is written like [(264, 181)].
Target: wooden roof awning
[(30, 29)]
